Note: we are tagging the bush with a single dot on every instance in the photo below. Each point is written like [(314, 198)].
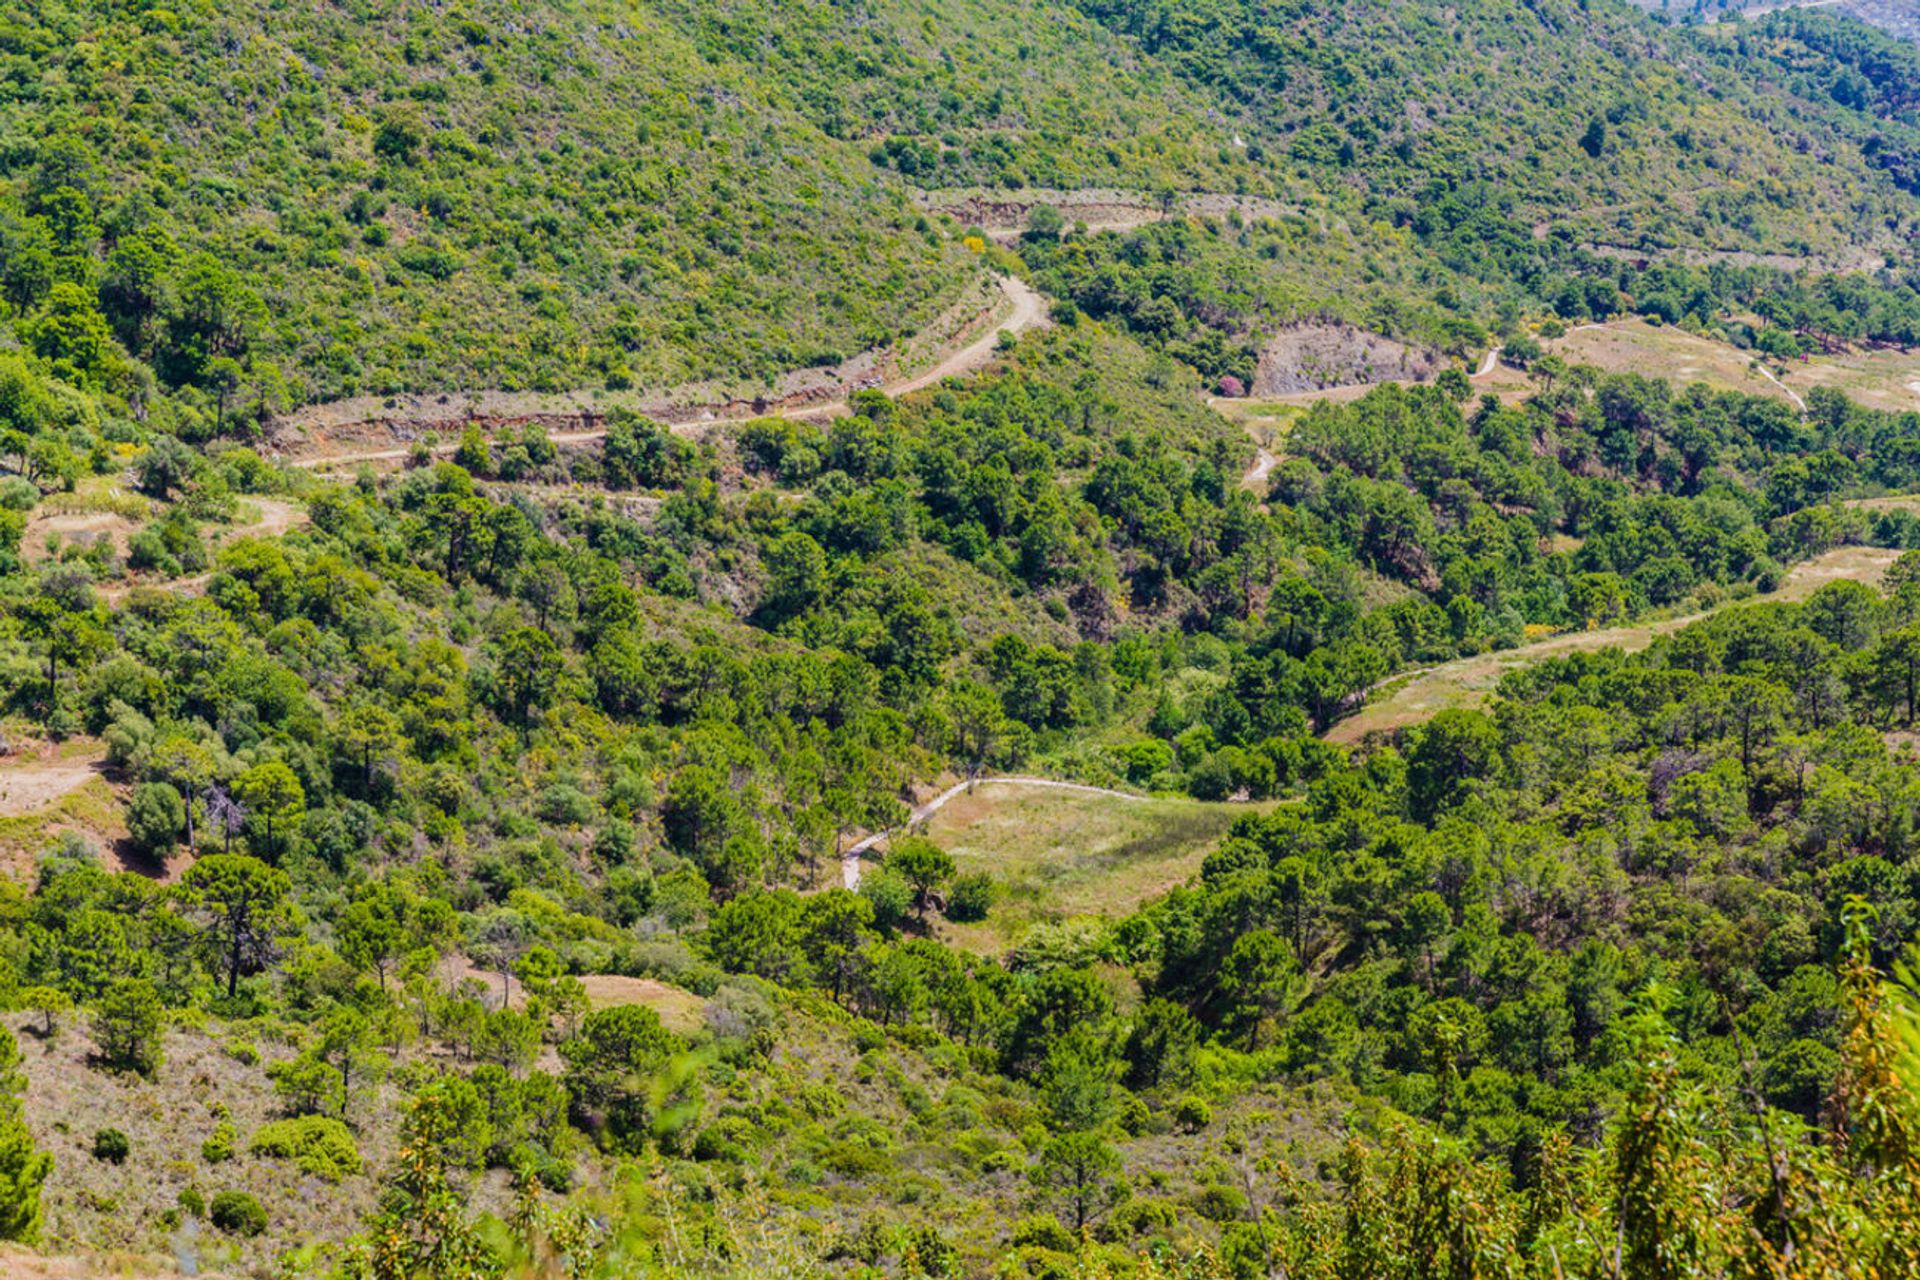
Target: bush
[(111, 1145), (218, 1148), (1044, 1231), (1192, 1114), (238, 1214), (971, 897), (320, 1145), (155, 818), (193, 1202)]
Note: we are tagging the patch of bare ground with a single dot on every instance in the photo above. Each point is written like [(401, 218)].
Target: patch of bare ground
[(680, 1010), (49, 791), (1313, 357), (29, 784)]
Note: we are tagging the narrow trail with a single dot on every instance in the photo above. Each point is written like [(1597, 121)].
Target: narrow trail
[(1489, 363), (1464, 682), (1788, 391), (1029, 311), (276, 517), (850, 859), (1263, 464)]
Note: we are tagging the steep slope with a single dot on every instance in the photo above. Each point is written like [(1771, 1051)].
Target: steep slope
[(543, 196)]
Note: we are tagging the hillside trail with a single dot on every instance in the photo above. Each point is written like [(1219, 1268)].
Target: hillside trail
[(850, 858), (1464, 682), (1028, 311), (1264, 462), (1789, 392), (276, 517)]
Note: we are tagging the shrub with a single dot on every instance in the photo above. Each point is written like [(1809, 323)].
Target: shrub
[(193, 1202), (1044, 1231), (111, 1145), (320, 1145), (1192, 1114), (237, 1213), (219, 1147), (971, 897)]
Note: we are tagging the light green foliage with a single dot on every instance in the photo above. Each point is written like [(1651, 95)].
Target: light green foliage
[(319, 1145)]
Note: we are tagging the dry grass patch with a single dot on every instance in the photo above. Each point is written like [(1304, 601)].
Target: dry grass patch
[(1663, 351), (1468, 682), (1061, 855), (680, 1011), (128, 1210)]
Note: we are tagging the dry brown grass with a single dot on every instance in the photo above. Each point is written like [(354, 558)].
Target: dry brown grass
[(1662, 351), (1469, 682), (1886, 379), (1062, 855), (112, 1215), (680, 1011)]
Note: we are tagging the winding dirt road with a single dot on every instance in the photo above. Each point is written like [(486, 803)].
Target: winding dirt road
[(850, 859), (1028, 311), (1420, 694)]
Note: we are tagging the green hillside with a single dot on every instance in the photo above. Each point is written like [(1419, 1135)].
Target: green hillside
[(1050, 798), (354, 199)]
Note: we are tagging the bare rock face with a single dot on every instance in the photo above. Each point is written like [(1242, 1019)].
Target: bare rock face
[(1310, 357)]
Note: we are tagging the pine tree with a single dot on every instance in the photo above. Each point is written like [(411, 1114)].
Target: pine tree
[(23, 1169)]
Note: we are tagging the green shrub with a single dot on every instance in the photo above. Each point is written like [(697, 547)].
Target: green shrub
[(1044, 1231), (1192, 1114), (238, 1214), (320, 1145), (971, 897), (219, 1147), (193, 1202), (111, 1145), (1134, 1116)]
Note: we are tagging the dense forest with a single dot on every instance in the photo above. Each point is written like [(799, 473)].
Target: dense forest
[(452, 844)]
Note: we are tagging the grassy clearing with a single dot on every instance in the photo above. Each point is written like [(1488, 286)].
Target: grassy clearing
[(1662, 351), (1879, 379), (681, 1011), (1469, 682), (1062, 856)]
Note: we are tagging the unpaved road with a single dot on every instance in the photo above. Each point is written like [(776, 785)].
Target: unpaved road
[(1028, 311), (1417, 696), (850, 859), (28, 786), (276, 517), (1263, 465)]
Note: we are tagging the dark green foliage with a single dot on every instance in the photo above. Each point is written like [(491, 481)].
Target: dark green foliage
[(237, 1213), (127, 1026), (111, 1146)]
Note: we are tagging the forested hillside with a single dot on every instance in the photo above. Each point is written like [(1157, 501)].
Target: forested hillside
[(500, 776)]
